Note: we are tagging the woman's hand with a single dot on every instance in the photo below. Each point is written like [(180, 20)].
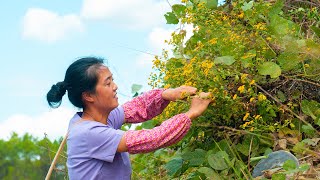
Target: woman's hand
[(198, 105), (178, 93)]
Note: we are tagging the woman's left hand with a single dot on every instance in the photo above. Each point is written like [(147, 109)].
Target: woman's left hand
[(178, 93)]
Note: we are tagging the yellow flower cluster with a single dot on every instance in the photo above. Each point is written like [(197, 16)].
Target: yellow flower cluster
[(261, 97), (244, 78), (206, 66), (201, 5), (213, 41), (246, 116), (247, 124), (260, 26)]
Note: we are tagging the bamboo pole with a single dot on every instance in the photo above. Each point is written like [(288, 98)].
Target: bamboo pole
[(53, 164)]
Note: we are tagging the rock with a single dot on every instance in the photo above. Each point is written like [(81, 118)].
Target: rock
[(274, 160)]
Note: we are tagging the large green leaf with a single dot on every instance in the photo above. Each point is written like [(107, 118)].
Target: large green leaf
[(171, 18), (210, 173), (174, 166), (227, 60), (194, 158), (218, 160), (179, 10), (281, 27), (270, 68), (288, 61)]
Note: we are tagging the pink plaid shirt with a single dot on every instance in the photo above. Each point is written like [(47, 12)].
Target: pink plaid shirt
[(145, 107)]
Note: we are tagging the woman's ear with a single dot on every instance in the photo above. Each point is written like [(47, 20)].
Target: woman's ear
[(87, 97)]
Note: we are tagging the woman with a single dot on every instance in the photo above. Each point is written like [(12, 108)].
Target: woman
[(97, 148)]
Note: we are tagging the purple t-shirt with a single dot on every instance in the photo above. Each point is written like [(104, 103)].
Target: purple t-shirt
[(92, 149)]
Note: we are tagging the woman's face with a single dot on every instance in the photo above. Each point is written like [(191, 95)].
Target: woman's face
[(105, 97)]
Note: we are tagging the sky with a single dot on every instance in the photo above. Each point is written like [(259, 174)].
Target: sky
[(41, 38)]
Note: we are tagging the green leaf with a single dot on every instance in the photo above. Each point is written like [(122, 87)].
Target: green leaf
[(210, 173), (278, 176), (211, 4), (195, 158), (308, 129), (171, 18), (149, 124), (281, 27), (276, 8), (174, 166), (179, 10), (311, 142), (218, 161), (227, 60), (246, 6), (311, 108), (289, 165), (304, 167), (270, 68), (288, 61), (316, 30), (281, 96), (135, 88), (243, 148)]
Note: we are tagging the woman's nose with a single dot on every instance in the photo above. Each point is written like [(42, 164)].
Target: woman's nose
[(115, 87)]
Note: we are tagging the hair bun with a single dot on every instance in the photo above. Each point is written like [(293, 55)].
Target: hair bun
[(61, 88), (54, 96)]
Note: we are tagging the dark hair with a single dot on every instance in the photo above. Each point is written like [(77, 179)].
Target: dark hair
[(81, 76)]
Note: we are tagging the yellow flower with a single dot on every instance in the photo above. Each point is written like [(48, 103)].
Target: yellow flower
[(252, 82), (241, 89), (261, 97), (213, 41), (306, 65), (257, 117), (167, 86), (234, 97), (251, 129), (243, 77), (241, 15), (246, 116), (269, 38), (252, 99)]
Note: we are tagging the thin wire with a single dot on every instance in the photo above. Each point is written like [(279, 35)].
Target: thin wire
[(137, 50)]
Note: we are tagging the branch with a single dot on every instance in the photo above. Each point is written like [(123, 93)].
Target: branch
[(284, 106)]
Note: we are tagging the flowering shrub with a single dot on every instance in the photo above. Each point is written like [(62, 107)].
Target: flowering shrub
[(262, 64)]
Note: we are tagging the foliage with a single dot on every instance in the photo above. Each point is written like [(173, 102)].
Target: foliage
[(27, 157), (261, 61)]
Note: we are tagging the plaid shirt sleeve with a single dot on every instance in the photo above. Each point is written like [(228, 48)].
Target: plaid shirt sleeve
[(145, 106), (169, 132)]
